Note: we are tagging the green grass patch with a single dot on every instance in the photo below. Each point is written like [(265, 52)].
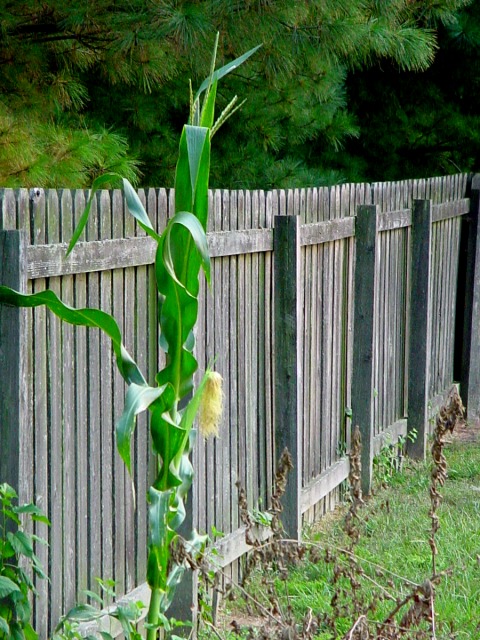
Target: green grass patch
[(394, 551)]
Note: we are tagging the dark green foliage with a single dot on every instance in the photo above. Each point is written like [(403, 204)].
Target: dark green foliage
[(17, 560), (89, 88), (420, 124)]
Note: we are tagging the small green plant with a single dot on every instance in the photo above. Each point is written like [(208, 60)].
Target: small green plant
[(110, 617), (389, 460), (172, 402), (17, 561)]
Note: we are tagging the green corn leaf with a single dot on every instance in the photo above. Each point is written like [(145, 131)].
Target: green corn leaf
[(180, 371), (195, 139), (199, 237), (159, 538), (7, 587), (158, 515), (137, 210), (191, 409), (16, 631), (208, 110), (134, 205), (179, 307), (138, 399), (186, 473), (83, 317), (98, 183), (220, 73), (191, 176), (188, 418), (167, 439), (178, 513)]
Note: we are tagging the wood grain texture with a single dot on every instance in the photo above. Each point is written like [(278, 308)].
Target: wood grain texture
[(363, 331), (236, 325), (420, 336), (13, 360), (288, 374), (470, 362)]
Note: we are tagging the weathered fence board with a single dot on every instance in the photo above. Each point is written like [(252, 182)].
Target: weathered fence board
[(74, 394)]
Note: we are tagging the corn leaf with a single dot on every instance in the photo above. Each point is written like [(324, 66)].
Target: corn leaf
[(195, 230), (82, 317), (159, 538), (138, 399), (137, 210), (220, 73), (97, 184)]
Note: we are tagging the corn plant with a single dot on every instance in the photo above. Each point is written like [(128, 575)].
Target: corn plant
[(181, 252)]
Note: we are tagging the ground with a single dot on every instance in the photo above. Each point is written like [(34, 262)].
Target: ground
[(469, 432)]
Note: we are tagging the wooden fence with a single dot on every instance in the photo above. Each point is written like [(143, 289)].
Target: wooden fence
[(309, 319)]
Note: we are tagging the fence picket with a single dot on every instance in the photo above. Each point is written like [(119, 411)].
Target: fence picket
[(76, 394)]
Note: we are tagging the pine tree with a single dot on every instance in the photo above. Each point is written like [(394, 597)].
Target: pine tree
[(422, 124), (94, 86)]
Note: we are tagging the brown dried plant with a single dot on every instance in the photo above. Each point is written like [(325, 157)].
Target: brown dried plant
[(412, 615), (450, 414)]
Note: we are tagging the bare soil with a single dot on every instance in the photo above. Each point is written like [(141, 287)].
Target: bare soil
[(469, 432)]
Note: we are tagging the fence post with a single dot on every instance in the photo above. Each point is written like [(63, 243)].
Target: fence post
[(420, 328), (469, 271), (288, 374), (13, 403), (363, 335)]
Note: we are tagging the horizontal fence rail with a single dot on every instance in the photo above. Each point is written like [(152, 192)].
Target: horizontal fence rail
[(327, 308)]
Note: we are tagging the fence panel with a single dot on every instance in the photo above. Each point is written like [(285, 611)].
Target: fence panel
[(74, 394)]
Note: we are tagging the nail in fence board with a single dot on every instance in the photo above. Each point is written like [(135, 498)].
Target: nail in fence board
[(288, 375), (363, 334), (420, 336)]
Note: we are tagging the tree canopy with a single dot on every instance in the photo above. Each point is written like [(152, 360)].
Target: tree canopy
[(89, 87), (419, 124)]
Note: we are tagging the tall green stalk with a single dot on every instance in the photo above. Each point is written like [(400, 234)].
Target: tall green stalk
[(181, 252)]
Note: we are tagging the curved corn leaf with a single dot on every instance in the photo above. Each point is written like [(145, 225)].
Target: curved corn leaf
[(177, 281), (98, 183), (186, 473), (81, 317), (220, 73), (167, 439), (179, 272), (138, 399), (134, 205), (137, 210)]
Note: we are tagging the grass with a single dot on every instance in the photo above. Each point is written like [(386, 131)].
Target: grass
[(394, 536)]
